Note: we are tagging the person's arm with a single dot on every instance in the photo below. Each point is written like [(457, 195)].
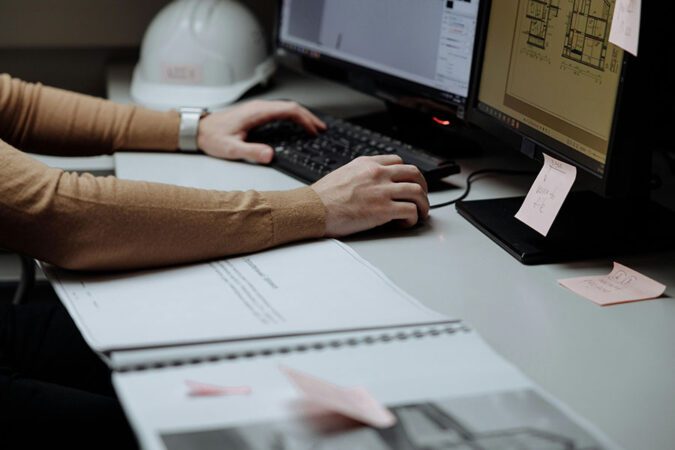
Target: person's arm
[(84, 222), (103, 223), (52, 121), (90, 223)]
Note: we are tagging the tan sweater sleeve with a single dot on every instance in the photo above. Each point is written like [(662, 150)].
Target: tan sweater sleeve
[(52, 121), (94, 223)]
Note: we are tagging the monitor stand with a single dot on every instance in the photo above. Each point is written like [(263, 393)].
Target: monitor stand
[(588, 226)]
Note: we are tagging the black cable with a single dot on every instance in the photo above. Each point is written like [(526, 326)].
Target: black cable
[(472, 177)]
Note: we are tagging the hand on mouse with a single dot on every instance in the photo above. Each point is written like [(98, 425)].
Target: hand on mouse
[(223, 134), (371, 191)]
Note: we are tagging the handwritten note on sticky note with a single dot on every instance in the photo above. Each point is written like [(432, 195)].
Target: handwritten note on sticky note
[(622, 285), (547, 195), (197, 389), (356, 403), (625, 31)]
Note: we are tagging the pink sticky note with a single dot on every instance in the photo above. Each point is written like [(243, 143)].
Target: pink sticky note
[(356, 403), (625, 31), (622, 285), (547, 195), (197, 389)]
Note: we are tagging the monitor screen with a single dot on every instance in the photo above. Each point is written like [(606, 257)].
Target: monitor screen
[(429, 43), (550, 74)]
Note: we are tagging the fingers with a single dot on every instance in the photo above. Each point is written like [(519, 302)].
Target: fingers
[(222, 134), (409, 173), (413, 194), (405, 184), (262, 112), (252, 152), (387, 160), (405, 214)]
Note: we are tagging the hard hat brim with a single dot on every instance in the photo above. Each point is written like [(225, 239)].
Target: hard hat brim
[(164, 96)]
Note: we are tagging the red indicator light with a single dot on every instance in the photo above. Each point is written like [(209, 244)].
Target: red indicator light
[(443, 122)]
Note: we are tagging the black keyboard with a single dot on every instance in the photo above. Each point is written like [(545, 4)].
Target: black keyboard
[(309, 158)]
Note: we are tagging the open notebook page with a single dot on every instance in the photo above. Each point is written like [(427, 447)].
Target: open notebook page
[(311, 287), (447, 390)]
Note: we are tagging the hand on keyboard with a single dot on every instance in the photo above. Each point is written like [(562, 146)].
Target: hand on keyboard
[(309, 157), (222, 134), (371, 191)]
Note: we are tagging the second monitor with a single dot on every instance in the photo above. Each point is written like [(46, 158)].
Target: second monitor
[(549, 81)]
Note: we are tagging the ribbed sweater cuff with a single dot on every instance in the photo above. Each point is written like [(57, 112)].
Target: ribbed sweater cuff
[(153, 130), (296, 214)]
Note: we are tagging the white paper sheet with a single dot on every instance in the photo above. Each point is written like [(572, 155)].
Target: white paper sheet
[(456, 373), (625, 31), (310, 287), (547, 195)]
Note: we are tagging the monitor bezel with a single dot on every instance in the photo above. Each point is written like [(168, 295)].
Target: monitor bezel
[(612, 181), (389, 88)]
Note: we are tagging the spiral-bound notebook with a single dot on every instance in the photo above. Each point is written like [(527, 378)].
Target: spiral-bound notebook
[(446, 388), (318, 308), (314, 287)]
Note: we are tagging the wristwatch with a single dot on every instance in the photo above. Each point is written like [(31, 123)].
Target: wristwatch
[(189, 127)]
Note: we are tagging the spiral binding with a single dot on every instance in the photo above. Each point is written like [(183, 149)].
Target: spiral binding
[(318, 344)]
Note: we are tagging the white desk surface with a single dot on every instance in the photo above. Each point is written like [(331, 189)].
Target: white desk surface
[(613, 365), (103, 164)]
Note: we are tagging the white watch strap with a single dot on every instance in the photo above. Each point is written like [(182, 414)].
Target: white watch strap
[(189, 127)]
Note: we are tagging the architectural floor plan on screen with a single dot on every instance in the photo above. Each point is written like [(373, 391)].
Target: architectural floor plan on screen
[(505, 420), (587, 34), (563, 72), (540, 13), (575, 30)]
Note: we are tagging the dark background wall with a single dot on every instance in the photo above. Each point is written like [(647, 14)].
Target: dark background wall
[(69, 43)]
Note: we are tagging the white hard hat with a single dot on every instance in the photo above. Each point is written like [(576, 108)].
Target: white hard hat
[(203, 53)]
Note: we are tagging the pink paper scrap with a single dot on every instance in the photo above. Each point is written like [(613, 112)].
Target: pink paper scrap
[(198, 389), (622, 285), (356, 402)]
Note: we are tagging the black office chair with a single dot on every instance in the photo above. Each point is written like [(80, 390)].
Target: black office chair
[(27, 280)]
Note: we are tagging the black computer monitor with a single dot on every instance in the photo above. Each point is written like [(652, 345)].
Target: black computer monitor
[(410, 53), (549, 81)]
